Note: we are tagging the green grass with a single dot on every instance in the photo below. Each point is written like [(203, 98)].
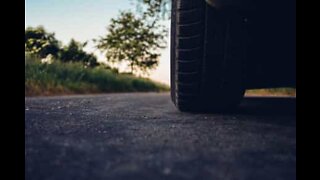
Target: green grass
[(71, 78)]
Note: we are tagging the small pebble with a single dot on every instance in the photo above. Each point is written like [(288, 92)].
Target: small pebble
[(166, 171)]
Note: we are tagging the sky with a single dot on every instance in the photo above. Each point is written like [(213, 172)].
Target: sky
[(85, 20)]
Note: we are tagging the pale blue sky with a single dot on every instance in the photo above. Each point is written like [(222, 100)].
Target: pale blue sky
[(85, 20)]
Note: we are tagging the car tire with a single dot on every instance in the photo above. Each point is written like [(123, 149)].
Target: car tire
[(207, 57)]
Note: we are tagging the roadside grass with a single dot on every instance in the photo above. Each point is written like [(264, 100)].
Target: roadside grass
[(272, 92), (73, 78)]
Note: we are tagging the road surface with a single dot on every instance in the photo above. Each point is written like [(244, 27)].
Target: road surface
[(143, 136)]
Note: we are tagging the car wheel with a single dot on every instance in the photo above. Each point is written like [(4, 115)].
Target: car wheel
[(207, 57)]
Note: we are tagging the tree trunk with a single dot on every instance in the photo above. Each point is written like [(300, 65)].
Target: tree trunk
[(131, 65)]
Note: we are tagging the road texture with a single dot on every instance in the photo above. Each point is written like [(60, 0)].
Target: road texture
[(143, 136)]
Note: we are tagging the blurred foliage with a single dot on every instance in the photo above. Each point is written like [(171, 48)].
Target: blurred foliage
[(41, 43), (155, 8), (272, 92), (74, 52), (133, 40), (73, 78)]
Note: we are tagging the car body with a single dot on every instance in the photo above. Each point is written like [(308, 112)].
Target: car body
[(271, 53)]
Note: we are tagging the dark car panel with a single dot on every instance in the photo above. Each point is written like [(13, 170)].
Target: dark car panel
[(271, 51)]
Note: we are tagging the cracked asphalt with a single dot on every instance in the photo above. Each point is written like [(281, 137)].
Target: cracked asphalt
[(143, 136)]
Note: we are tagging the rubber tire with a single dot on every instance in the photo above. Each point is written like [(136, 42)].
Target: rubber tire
[(207, 57)]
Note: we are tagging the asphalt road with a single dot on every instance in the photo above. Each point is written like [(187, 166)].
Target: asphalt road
[(143, 136)]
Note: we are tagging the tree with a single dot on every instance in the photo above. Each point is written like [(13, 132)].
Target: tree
[(74, 52), (133, 40), (155, 8), (41, 43)]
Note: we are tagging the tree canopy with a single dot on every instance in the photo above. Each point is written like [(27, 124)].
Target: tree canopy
[(43, 44), (155, 8), (74, 52), (133, 40), (39, 42)]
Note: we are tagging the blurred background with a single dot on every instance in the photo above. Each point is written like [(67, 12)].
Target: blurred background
[(83, 46)]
